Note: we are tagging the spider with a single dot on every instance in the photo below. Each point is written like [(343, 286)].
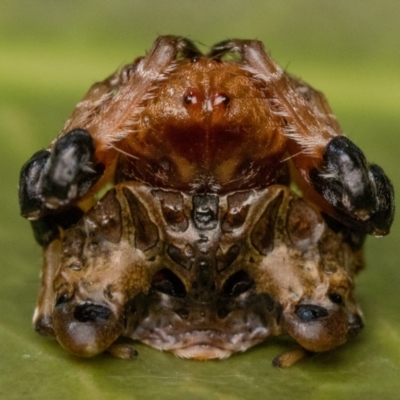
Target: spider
[(205, 125)]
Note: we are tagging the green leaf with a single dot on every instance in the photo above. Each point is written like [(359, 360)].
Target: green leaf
[(51, 52)]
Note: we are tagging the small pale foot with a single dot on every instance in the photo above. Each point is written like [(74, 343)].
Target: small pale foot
[(123, 350), (290, 357)]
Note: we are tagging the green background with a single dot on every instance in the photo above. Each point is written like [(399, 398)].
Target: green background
[(51, 52)]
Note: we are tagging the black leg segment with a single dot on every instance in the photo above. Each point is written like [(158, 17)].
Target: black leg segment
[(53, 179), (30, 184), (46, 228), (361, 193), (69, 173)]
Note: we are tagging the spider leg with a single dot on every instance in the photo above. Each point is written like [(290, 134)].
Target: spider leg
[(223, 48), (359, 193), (42, 318), (112, 119), (82, 159), (189, 50), (53, 180), (306, 129), (362, 195), (47, 228), (29, 190), (344, 184), (383, 217)]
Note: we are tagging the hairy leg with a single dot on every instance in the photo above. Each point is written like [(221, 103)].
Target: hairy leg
[(339, 179)]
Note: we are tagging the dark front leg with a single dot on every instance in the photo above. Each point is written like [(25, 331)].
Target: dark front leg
[(30, 185), (348, 188), (57, 178), (361, 194), (47, 228), (69, 173)]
